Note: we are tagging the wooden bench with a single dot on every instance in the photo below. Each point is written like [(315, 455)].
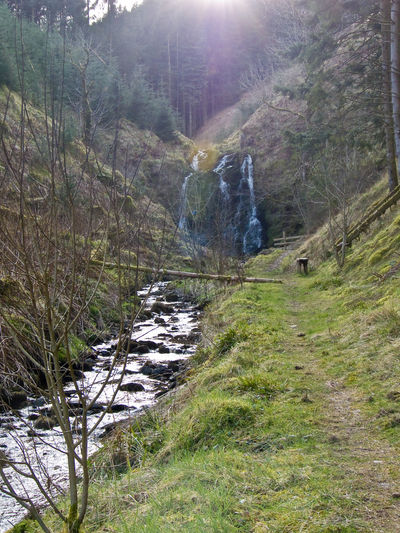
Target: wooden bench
[(302, 264)]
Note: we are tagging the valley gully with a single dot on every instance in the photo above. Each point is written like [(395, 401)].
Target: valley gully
[(161, 345)]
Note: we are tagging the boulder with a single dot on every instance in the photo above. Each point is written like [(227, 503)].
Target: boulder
[(142, 349), (39, 402), (164, 349), (45, 422), (150, 344), (172, 296), (117, 408), (17, 399), (160, 307), (147, 369), (132, 387), (4, 460), (145, 314)]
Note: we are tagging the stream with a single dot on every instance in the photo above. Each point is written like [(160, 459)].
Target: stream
[(161, 344)]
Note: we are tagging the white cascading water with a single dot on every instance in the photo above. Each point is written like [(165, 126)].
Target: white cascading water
[(182, 224), (245, 230), (252, 240), (220, 169)]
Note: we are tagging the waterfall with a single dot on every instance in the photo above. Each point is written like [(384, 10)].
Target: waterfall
[(200, 156), (232, 212), (252, 240), (220, 169), (182, 224), (182, 218)]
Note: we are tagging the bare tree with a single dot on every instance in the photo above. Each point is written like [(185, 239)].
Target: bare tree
[(51, 229), (335, 180)]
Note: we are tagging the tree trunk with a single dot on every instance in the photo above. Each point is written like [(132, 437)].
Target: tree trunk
[(182, 274), (395, 75), (387, 93)]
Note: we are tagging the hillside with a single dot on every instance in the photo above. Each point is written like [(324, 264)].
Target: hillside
[(98, 202)]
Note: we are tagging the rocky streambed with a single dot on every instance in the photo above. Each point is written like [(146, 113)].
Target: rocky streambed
[(159, 349)]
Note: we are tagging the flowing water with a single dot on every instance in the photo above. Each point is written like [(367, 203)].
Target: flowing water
[(169, 336), (182, 224), (252, 239), (246, 228), (221, 169)]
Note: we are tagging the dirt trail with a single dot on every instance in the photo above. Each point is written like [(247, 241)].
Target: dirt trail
[(370, 465)]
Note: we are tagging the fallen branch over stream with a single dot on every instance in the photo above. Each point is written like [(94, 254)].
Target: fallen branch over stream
[(182, 274)]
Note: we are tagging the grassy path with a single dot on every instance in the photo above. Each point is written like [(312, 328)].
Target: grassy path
[(370, 465)]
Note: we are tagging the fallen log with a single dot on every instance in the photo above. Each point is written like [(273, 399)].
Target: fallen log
[(182, 274)]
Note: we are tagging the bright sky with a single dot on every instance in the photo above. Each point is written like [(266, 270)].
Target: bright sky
[(128, 4)]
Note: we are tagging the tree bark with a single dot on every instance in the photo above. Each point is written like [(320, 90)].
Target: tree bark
[(387, 93), (395, 75), (183, 274)]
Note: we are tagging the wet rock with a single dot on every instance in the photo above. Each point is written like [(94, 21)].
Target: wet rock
[(85, 365), (39, 402), (117, 408), (132, 387), (77, 375), (150, 344), (17, 399), (129, 345), (4, 460), (164, 349), (33, 416), (145, 314), (45, 422), (159, 320), (160, 307), (161, 370), (161, 393), (190, 339), (142, 349), (12, 399), (147, 369), (106, 352), (6, 420), (172, 296), (96, 408)]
